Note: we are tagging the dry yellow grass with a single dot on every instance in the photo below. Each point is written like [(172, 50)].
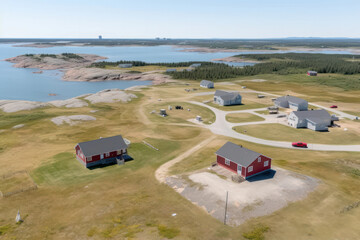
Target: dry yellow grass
[(127, 202)]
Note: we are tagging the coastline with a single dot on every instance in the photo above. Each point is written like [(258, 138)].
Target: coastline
[(78, 70)]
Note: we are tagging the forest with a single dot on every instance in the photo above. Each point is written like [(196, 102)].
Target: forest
[(288, 63)]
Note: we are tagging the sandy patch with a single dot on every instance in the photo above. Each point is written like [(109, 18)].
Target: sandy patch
[(257, 197), (72, 120)]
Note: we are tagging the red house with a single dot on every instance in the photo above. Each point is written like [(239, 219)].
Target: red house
[(242, 161), (101, 151)]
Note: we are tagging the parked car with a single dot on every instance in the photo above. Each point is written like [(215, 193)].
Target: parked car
[(333, 106), (299, 144)]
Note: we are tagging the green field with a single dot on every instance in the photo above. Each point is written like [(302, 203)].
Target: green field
[(243, 117), (281, 132)]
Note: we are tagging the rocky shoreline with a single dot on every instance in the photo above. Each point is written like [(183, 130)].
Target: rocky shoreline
[(104, 96), (76, 68)]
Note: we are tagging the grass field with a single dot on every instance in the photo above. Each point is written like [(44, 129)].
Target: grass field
[(127, 202), (180, 116), (242, 117), (281, 132)]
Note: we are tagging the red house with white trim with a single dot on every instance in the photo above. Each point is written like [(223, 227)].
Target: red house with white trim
[(101, 151), (242, 161)]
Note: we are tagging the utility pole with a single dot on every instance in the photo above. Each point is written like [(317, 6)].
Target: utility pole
[(226, 202)]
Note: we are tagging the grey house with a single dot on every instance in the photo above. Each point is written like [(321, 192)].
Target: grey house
[(195, 65), (224, 98), (125, 65), (292, 102), (206, 84), (317, 120)]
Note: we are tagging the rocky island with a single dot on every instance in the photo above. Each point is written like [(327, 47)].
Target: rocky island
[(76, 67)]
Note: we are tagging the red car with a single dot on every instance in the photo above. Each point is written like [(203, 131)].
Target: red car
[(299, 144), (333, 106)]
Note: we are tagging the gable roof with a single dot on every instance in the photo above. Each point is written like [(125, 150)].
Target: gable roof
[(313, 115), (102, 145), (238, 154), (206, 82), (226, 95), (291, 99)]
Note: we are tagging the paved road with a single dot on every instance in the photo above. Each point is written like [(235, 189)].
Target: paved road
[(222, 127)]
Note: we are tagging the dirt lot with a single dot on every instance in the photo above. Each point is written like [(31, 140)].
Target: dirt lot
[(259, 196)]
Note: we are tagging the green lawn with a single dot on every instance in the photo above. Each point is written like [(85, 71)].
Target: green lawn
[(242, 117), (285, 133)]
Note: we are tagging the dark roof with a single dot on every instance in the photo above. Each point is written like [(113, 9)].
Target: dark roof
[(238, 154), (291, 99), (313, 115), (102, 145), (226, 95)]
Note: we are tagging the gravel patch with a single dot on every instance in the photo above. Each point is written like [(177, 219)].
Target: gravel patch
[(257, 197), (72, 120)]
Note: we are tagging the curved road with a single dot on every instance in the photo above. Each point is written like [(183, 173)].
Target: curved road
[(222, 127)]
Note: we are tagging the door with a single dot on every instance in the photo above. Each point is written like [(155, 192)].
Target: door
[(239, 167), (102, 156)]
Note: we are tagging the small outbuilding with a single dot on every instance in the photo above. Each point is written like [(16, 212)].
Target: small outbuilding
[(101, 151), (195, 65), (291, 102), (241, 160), (317, 120), (207, 84), (125, 65), (224, 98), (311, 73)]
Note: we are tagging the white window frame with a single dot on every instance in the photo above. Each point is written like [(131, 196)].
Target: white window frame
[(88, 159), (250, 169), (107, 154), (266, 163), (259, 159), (227, 162)]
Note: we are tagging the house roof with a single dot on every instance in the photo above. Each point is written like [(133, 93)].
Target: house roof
[(291, 99), (226, 95), (206, 82), (312, 71), (238, 154), (313, 115), (102, 145)]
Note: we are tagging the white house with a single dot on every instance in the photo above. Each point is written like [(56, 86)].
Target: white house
[(206, 84), (224, 98), (291, 102), (317, 120)]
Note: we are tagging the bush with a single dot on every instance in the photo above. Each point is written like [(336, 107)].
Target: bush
[(257, 233), (168, 232)]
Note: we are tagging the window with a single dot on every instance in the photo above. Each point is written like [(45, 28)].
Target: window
[(239, 168), (250, 169), (266, 163), (88, 159), (107, 154), (259, 159), (227, 162)]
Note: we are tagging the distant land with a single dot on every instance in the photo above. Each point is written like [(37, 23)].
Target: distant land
[(223, 44)]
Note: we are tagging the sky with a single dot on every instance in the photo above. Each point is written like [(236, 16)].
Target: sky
[(179, 19)]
